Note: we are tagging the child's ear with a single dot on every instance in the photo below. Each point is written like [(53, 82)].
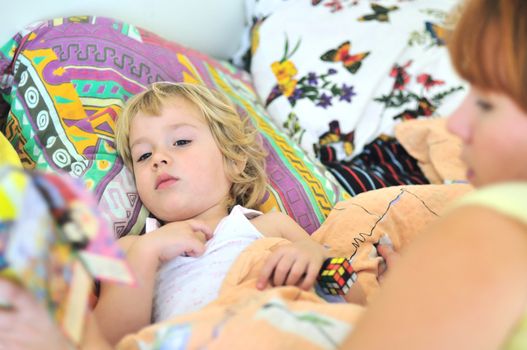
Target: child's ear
[(239, 165)]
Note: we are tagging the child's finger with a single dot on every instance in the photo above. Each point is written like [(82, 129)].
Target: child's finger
[(192, 247), (267, 270), (296, 273), (282, 270), (311, 276), (195, 248), (200, 236), (197, 225)]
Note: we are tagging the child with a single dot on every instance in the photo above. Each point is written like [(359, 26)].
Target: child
[(199, 169)]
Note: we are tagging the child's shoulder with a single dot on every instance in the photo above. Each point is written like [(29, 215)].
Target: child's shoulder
[(270, 224)]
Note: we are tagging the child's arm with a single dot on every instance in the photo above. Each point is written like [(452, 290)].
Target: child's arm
[(295, 264), (124, 309)]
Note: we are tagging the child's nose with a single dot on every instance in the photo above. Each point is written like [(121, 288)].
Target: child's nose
[(159, 159)]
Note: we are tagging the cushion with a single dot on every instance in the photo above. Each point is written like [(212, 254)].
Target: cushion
[(8, 154), (437, 151), (67, 80), (399, 214), (367, 65)]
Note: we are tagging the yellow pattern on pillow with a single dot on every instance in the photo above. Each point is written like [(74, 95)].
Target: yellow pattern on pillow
[(8, 154)]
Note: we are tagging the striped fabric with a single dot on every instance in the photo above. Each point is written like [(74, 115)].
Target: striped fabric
[(382, 163)]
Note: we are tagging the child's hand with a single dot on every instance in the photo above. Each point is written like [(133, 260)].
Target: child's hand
[(26, 324), (296, 264), (178, 238)]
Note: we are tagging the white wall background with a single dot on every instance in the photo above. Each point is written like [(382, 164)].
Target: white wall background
[(211, 26)]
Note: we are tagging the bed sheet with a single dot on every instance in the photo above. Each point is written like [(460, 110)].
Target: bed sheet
[(287, 317)]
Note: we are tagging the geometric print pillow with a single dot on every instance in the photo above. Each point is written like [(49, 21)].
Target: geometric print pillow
[(66, 80)]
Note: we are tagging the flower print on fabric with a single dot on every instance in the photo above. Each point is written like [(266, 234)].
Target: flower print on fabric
[(285, 72), (316, 87), (292, 128), (417, 103)]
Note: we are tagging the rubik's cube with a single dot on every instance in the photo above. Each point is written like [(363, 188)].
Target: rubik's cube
[(336, 276)]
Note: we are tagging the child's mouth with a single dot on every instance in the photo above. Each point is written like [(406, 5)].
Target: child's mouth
[(165, 181)]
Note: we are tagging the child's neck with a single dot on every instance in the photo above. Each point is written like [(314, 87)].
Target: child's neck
[(211, 217)]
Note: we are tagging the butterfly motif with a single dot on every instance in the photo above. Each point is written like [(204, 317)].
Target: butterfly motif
[(333, 144), (380, 13), (438, 33), (351, 62)]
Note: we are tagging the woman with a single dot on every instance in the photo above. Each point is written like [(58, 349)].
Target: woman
[(462, 285)]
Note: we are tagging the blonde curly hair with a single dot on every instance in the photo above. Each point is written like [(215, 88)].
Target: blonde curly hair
[(235, 136)]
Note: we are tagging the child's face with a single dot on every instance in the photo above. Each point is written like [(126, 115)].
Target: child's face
[(493, 130), (178, 167)]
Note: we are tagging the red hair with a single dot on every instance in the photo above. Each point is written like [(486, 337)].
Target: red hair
[(489, 47)]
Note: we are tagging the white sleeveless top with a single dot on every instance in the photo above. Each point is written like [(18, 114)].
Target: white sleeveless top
[(186, 284)]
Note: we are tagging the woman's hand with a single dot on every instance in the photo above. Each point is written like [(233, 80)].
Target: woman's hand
[(390, 257), (26, 324), (294, 264)]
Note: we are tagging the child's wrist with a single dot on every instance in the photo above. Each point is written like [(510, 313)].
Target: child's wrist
[(146, 250)]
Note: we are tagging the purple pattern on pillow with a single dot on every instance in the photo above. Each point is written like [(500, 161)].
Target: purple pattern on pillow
[(101, 60)]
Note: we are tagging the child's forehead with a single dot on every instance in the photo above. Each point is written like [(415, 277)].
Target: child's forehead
[(168, 116), (171, 106)]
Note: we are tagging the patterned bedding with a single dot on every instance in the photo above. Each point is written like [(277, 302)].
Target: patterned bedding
[(338, 75), (286, 317), (340, 114), (66, 81)]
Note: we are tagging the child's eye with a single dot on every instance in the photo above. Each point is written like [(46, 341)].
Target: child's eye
[(182, 142), (143, 157)]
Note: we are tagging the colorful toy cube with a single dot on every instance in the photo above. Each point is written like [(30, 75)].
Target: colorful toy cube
[(336, 276)]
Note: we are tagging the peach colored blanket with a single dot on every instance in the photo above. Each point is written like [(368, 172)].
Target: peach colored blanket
[(289, 318)]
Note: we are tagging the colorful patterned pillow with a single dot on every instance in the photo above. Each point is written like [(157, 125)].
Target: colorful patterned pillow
[(361, 65), (67, 80)]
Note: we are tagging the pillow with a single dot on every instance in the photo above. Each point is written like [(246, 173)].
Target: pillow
[(366, 65), (437, 151), (67, 81), (8, 154), (398, 213)]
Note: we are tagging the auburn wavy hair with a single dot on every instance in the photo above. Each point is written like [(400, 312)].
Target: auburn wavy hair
[(235, 136), (489, 47)]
